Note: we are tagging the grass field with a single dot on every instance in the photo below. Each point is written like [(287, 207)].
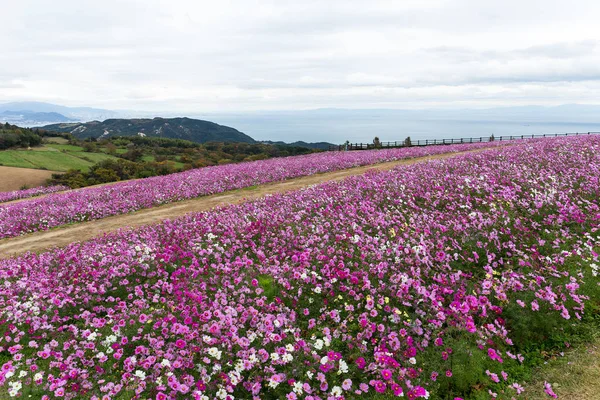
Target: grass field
[(59, 140), (54, 156)]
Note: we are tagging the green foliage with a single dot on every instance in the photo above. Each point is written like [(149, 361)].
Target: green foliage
[(13, 136), (143, 157), (269, 286), (376, 142), (176, 128)]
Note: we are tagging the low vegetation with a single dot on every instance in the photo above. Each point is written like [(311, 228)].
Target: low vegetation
[(122, 197), (26, 193), (143, 157), (90, 161), (444, 280)]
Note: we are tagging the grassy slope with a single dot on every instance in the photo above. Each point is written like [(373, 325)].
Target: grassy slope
[(55, 157)]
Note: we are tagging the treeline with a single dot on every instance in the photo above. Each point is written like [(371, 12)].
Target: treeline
[(13, 136), (192, 153), (142, 157)]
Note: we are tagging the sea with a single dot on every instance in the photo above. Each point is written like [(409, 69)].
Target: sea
[(364, 128)]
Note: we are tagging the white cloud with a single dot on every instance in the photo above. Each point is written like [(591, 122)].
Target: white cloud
[(240, 55)]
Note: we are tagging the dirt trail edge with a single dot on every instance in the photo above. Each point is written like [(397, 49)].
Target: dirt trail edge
[(66, 234)]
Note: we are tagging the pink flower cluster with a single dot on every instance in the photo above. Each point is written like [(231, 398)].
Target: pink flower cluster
[(33, 192), (342, 290), (123, 197)]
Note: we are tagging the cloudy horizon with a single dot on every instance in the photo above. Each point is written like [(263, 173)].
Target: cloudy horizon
[(188, 56)]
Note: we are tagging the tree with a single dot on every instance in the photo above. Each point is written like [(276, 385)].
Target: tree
[(104, 175), (376, 142), (89, 147), (111, 148)]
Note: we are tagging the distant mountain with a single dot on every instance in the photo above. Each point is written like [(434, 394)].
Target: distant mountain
[(71, 113), (28, 118), (175, 128), (316, 145)]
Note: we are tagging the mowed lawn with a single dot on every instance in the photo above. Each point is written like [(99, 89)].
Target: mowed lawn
[(55, 157)]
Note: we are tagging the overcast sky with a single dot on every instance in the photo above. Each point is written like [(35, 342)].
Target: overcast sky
[(220, 55)]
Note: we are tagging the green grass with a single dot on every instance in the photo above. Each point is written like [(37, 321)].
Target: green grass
[(12, 158), (66, 147), (58, 140), (53, 157), (54, 161), (95, 157)]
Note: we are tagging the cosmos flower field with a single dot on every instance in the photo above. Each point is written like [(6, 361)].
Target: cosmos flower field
[(383, 285), (27, 193), (123, 197)]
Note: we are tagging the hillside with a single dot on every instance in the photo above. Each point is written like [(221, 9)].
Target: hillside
[(314, 145), (175, 128)]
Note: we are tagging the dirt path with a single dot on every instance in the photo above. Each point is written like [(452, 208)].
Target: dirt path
[(12, 178), (67, 234)]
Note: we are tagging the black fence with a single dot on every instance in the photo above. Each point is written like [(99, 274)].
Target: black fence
[(431, 142)]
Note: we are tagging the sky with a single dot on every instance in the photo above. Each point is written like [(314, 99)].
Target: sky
[(228, 56)]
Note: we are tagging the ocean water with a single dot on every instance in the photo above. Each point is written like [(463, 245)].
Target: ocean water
[(362, 127)]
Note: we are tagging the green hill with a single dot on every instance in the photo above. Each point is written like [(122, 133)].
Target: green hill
[(175, 128)]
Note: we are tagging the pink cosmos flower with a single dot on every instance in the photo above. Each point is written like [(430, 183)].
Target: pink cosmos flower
[(347, 384), (549, 391), (360, 362)]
